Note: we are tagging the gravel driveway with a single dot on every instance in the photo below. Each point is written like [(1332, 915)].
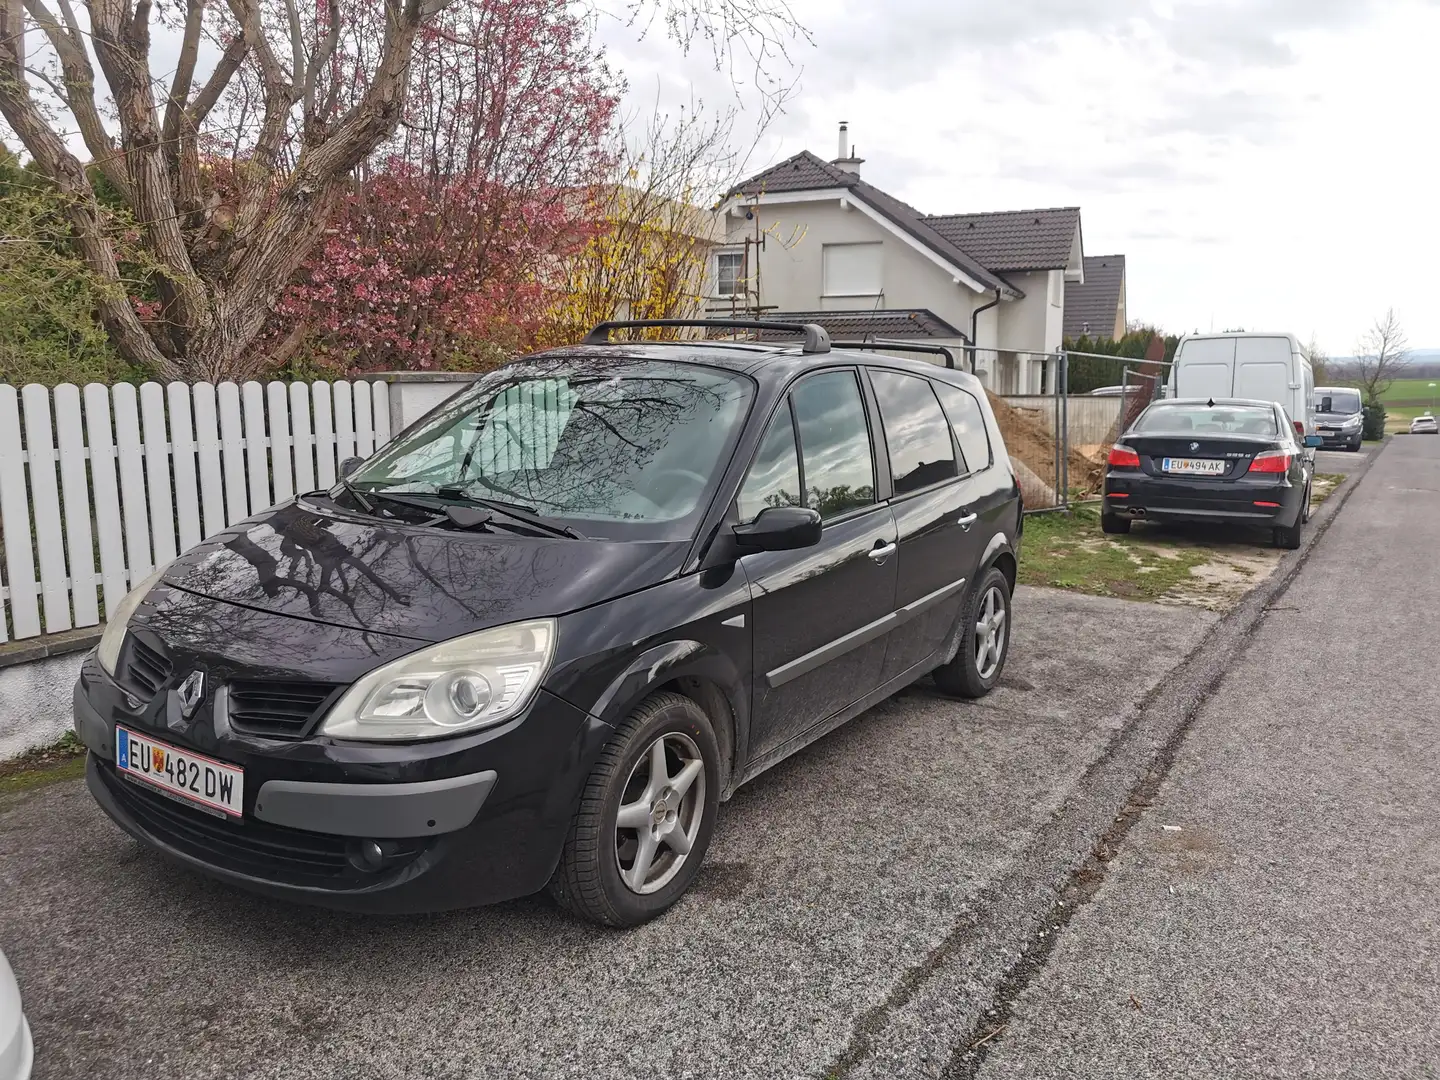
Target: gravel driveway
[(837, 881)]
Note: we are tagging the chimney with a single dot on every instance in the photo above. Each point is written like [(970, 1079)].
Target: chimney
[(847, 159)]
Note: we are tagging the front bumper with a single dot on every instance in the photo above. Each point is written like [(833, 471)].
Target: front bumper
[(1339, 439), (1243, 501), (414, 827)]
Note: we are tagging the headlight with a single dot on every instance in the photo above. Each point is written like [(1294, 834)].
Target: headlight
[(108, 651), (1352, 421), (459, 685)]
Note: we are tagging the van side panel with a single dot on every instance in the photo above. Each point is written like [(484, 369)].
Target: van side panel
[(1262, 370), (1203, 368)]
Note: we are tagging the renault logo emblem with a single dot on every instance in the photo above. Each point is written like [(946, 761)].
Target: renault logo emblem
[(190, 692)]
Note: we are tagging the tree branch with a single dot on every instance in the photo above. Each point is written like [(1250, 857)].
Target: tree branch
[(175, 106), (84, 215), (79, 96)]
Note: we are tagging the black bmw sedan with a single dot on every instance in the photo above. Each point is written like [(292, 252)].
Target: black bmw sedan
[(539, 637), (1234, 461)]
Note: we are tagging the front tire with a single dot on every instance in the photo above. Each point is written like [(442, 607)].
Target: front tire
[(645, 818), (984, 640)]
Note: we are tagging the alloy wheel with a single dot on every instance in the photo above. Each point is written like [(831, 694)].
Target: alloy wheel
[(661, 812), (990, 631)]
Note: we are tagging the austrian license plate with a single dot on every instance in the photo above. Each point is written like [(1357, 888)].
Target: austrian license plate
[(207, 783), (1193, 466)]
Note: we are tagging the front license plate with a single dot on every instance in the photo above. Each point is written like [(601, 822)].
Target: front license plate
[(209, 784), (1193, 466)]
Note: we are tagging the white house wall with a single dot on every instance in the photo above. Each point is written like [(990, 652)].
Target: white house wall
[(792, 264)]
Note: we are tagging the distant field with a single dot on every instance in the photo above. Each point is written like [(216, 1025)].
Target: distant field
[(1408, 392)]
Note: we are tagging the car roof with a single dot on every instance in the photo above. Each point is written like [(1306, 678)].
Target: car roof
[(765, 361), (1331, 389)]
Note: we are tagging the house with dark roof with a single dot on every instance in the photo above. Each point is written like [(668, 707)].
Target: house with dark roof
[(810, 240), (1095, 308)]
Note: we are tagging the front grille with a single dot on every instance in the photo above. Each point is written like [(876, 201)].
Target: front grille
[(146, 669), (251, 847), (278, 709)]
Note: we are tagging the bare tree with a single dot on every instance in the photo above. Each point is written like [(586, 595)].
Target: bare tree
[(1319, 360), (1379, 355), (231, 168)]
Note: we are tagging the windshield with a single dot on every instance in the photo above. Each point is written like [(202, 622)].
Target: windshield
[(623, 448), (1205, 419), (1342, 402)]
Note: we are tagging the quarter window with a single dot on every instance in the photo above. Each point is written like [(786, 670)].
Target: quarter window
[(835, 452), (916, 433), (774, 479), (968, 423)]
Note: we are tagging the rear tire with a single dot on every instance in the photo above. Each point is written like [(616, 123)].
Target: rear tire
[(1114, 524), (592, 880), (984, 640), (1288, 536), (1309, 493)]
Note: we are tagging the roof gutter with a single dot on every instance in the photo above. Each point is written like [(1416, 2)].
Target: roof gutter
[(975, 328)]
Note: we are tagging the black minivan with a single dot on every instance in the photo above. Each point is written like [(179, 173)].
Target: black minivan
[(542, 634)]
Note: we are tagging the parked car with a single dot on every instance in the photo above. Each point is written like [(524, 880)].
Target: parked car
[(1230, 460), (17, 1048), (1425, 424), (1339, 416), (1248, 366), (543, 633), (1114, 391)]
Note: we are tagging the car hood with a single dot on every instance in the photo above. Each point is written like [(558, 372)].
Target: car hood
[(424, 583), (1336, 417)]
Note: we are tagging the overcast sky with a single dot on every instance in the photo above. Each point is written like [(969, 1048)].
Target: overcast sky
[(1271, 164)]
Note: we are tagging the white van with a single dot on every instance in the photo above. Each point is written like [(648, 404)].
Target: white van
[(1261, 367)]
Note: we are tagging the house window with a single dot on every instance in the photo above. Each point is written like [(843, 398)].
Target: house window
[(852, 270), (729, 273)]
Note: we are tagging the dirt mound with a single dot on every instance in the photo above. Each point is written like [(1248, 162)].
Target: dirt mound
[(1029, 439)]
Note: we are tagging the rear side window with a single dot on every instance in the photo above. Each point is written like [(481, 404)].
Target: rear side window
[(968, 423), (835, 453), (916, 432), (774, 479)]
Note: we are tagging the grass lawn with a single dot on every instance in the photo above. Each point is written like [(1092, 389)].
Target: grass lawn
[(35, 768), (1209, 568)]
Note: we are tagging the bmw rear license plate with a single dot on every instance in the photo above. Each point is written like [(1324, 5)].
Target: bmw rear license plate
[(1187, 466), (204, 782)]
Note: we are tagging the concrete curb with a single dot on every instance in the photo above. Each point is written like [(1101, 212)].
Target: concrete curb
[(943, 1014)]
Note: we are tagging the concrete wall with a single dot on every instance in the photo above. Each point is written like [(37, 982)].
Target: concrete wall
[(35, 702)]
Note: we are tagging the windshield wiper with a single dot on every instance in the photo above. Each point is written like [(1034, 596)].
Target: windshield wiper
[(357, 495), (526, 515)]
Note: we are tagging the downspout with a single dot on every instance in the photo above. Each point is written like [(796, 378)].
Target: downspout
[(975, 328)]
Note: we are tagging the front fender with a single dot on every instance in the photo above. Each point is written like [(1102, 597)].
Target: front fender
[(717, 685)]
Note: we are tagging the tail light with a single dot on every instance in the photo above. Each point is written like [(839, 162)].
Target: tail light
[(1299, 428), (1122, 457), (1271, 461)]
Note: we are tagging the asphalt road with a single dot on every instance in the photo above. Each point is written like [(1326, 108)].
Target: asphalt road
[(831, 877), (1273, 913), (864, 908)]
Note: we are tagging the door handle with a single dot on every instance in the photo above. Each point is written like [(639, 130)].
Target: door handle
[(968, 520), (880, 554)]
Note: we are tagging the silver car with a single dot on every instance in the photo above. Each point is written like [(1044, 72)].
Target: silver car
[(1425, 425), (17, 1049)]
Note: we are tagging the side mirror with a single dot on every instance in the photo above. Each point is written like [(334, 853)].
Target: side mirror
[(349, 465), (1313, 440), (779, 528)]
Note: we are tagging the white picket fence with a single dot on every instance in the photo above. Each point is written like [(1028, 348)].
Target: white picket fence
[(145, 474)]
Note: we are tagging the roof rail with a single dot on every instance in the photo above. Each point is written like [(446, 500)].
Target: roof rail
[(902, 346), (816, 338)]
